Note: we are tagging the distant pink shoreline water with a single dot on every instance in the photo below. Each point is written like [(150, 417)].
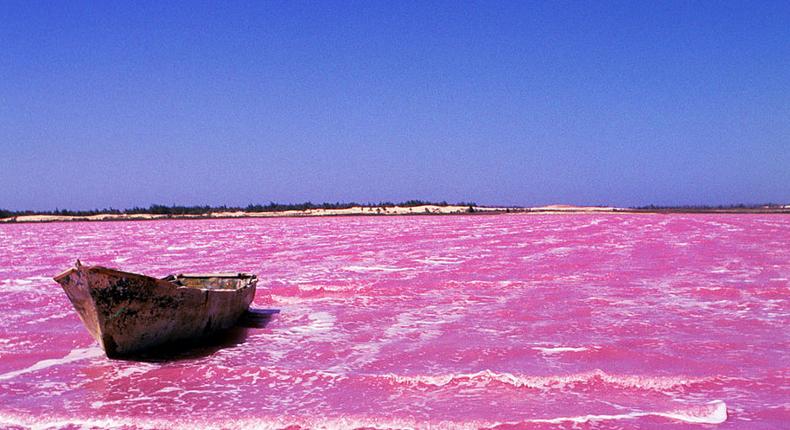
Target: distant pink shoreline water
[(429, 322)]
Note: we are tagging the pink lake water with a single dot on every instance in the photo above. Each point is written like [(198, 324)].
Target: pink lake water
[(507, 322)]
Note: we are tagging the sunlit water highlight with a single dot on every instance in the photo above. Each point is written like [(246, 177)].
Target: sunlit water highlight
[(556, 321)]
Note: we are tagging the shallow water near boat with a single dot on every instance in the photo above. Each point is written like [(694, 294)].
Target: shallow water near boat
[(552, 321)]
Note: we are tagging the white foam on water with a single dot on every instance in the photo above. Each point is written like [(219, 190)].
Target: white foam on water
[(33, 284), (658, 383), (168, 389), (73, 355), (49, 423), (319, 327), (559, 349), (363, 269), (127, 369), (714, 412), (263, 423), (320, 322), (426, 325), (561, 250), (326, 288), (290, 300), (137, 399), (187, 246), (50, 317), (436, 261)]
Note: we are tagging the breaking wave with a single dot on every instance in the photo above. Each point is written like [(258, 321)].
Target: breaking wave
[(714, 412), (546, 382), (487, 377)]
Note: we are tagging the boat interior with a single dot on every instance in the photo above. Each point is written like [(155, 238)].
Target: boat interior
[(212, 281)]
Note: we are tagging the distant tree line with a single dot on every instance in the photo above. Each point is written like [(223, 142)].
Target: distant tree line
[(707, 207), (158, 209)]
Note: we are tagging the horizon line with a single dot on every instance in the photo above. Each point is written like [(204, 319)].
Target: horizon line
[(175, 209)]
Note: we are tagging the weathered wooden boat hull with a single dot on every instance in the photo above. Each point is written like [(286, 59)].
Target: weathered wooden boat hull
[(128, 312)]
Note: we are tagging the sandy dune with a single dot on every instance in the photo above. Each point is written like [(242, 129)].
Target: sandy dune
[(571, 208)]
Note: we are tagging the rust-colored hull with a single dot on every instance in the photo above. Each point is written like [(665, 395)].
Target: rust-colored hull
[(128, 312)]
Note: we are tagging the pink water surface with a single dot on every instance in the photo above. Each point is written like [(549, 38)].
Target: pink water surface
[(508, 321)]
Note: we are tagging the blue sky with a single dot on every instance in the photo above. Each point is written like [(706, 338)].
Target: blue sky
[(523, 103)]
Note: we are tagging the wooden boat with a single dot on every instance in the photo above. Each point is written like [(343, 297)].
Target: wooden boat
[(128, 312)]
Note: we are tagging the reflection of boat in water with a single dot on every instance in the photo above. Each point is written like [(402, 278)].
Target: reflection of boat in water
[(128, 312)]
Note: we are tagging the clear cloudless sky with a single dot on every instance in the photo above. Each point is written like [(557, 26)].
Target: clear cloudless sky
[(119, 104)]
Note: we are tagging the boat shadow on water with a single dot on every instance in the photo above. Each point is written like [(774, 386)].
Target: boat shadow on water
[(206, 346)]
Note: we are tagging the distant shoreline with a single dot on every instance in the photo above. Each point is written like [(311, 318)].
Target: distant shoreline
[(394, 211)]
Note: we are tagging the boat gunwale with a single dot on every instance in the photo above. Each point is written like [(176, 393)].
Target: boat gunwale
[(64, 273), (239, 275), (248, 278)]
